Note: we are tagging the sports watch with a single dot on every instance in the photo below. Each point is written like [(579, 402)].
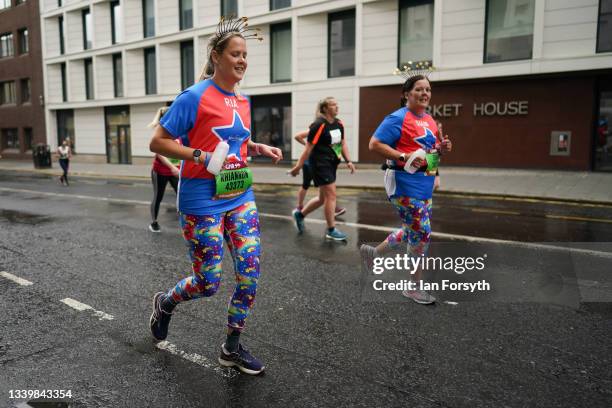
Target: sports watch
[(197, 156)]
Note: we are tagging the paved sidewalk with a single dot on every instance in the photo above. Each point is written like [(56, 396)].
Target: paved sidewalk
[(550, 184)]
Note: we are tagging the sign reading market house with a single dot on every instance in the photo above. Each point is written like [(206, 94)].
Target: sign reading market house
[(509, 108)]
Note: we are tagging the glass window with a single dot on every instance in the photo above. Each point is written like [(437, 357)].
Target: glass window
[(5, 4), (7, 93), (148, 13), (59, 3), (116, 27), (60, 22), (64, 85), (604, 27), (280, 49), (10, 139), (341, 44), (89, 87), (24, 42), (415, 31), (65, 126), (271, 121), (187, 73), (185, 14), (150, 71), (6, 45), (19, 2), (509, 32), (279, 4), (118, 74), (27, 139), (86, 14), (118, 144), (26, 92), (229, 8)]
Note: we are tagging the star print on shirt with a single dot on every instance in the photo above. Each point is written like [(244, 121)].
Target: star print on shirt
[(427, 140), (234, 135)]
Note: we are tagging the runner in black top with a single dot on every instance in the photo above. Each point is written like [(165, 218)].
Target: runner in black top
[(326, 145)]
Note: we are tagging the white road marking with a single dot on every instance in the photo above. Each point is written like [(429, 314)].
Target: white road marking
[(75, 304), (196, 358), (456, 237), (16, 279), (448, 302)]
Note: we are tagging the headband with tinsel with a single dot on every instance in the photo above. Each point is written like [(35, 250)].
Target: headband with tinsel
[(410, 70), (238, 26)]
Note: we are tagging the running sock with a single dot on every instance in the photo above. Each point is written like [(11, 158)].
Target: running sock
[(232, 341), (167, 305), (331, 229)]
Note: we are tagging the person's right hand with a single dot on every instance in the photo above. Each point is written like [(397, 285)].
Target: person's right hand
[(294, 171), (418, 163)]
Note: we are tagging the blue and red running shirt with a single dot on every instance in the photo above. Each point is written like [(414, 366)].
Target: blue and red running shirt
[(202, 116), (407, 132)]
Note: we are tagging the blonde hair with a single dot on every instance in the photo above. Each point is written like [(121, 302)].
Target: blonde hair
[(160, 112), (322, 106)]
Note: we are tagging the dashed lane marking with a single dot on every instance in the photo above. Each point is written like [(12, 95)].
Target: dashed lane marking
[(16, 279), (455, 237), (196, 359), (81, 307)]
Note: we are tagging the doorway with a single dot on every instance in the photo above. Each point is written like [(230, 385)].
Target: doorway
[(118, 141)]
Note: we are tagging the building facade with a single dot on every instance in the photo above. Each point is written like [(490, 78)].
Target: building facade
[(518, 83), (22, 115)]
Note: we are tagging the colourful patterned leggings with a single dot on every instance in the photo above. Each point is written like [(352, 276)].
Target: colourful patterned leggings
[(416, 227), (204, 235)]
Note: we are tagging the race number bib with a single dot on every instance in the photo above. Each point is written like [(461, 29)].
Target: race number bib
[(336, 141), (234, 179)]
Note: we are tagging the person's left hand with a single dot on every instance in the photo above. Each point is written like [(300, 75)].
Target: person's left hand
[(351, 167), (272, 152), (446, 145)]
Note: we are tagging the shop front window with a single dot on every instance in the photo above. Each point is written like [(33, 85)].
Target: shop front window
[(272, 121)]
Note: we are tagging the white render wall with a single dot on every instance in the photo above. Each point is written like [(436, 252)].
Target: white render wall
[(564, 41), (140, 116), (89, 130)]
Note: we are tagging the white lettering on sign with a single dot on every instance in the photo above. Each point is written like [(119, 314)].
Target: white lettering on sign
[(511, 108), (230, 103), (445, 111)]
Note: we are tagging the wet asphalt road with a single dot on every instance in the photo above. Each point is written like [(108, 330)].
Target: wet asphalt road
[(540, 338)]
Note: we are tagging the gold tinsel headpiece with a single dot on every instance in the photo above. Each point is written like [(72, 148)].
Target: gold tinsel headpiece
[(237, 25), (412, 69)]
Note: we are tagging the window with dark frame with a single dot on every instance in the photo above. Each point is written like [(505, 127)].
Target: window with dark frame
[(229, 8), (26, 92), (7, 93), (116, 32), (148, 16), (509, 30), (89, 86), (341, 44), (604, 26), (87, 27), (64, 79), (60, 22), (187, 70), (24, 41), (280, 52), (279, 4), (27, 139), (118, 75), (185, 14), (6, 45), (10, 139), (415, 36), (150, 71)]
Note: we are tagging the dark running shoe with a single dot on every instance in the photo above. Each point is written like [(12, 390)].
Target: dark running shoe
[(339, 211), (242, 359), (299, 220), (159, 319), (154, 227)]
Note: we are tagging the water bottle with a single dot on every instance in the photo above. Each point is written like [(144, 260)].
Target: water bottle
[(419, 153), (218, 158)]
